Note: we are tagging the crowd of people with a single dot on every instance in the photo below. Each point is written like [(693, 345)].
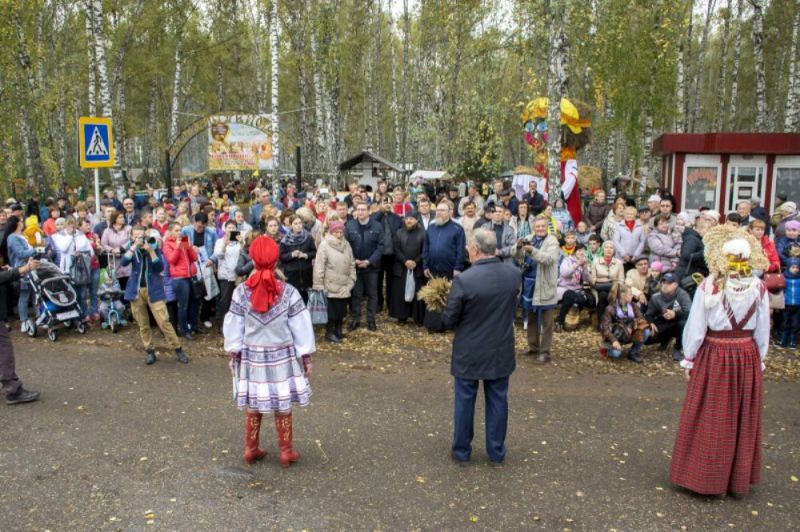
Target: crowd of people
[(176, 256), (264, 265)]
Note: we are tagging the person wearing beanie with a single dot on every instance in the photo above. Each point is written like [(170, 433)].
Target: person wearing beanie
[(784, 214), (335, 275), (789, 244), (791, 314)]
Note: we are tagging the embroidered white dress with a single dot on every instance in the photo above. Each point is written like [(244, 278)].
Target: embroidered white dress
[(269, 375), (710, 312)]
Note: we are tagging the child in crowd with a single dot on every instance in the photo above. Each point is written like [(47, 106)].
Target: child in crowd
[(582, 233), (791, 314), (789, 246), (593, 249), (570, 243)]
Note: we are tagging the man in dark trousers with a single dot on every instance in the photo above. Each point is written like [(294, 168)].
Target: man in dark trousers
[(12, 386), (365, 236), (667, 312), (481, 309)]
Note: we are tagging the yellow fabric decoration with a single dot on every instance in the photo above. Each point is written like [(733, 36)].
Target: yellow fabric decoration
[(570, 117)]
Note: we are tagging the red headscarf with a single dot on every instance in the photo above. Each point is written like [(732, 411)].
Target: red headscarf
[(266, 290)]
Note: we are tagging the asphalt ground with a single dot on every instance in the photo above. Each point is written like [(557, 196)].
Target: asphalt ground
[(117, 445)]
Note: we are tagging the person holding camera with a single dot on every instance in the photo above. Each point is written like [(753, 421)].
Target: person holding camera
[(145, 290), (12, 386), (226, 252), (182, 257)]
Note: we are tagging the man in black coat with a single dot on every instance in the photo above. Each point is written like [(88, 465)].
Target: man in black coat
[(407, 244), (366, 238), (692, 259), (12, 386), (481, 309), (391, 224)]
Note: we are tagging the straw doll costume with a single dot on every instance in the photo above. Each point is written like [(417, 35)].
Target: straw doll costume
[(718, 445), (269, 334)]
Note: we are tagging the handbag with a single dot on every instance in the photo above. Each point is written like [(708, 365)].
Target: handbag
[(80, 269), (198, 284), (774, 282), (318, 307), (411, 286)]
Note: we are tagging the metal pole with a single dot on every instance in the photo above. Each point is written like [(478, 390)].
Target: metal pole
[(97, 192)]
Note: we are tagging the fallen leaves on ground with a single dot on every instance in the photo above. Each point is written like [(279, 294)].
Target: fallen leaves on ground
[(397, 347)]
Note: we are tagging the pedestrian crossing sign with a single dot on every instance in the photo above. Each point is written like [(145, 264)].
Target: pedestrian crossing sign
[(96, 142)]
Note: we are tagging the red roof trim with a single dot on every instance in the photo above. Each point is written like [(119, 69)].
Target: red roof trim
[(719, 143)]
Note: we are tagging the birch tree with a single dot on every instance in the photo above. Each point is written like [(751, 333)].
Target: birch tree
[(792, 120), (730, 110), (557, 81), (722, 82), (699, 73), (758, 57), (34, 177), (92, 91), (273, 44)]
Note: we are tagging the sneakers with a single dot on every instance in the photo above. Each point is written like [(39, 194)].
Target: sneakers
[(677, 356), (150, 359), (353, 326), (22, 396), (207, 324), (23, 328), (371, 326), (182, 358), (558, 327), (188, 335)]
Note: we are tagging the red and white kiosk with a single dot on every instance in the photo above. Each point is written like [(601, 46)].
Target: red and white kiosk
[(717, 170)]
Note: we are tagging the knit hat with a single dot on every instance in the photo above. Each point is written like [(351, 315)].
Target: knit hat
[(654, 197), (788, 207), (793, 224), (657, 266), (335, 226)]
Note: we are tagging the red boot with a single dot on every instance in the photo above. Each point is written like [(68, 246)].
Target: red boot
[(252, 429), (283, 426)]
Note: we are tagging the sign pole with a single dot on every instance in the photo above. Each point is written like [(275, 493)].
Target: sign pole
[(97, 193)]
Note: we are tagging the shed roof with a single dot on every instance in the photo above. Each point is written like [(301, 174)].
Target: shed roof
[(718, 143), (429, 175), (368, 157)]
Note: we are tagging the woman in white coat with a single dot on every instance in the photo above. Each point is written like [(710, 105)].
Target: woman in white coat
[(69, 244)]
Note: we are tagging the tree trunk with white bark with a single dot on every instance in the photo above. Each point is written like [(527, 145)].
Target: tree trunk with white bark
[(176, 93), (758, 57), (273, 45), (35, 177), (730, 111), (98, 26), (699, 72), (611, 145), (722, 81), (92, 93), (557, 80), (792, 120)]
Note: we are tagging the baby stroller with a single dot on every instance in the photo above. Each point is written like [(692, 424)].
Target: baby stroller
[(112, 306), (55, 301)]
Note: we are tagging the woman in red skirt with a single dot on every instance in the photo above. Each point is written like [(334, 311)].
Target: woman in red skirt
[(718, 446)]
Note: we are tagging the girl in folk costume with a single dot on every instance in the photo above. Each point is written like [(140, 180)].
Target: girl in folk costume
[(718, 445), (269, 335)]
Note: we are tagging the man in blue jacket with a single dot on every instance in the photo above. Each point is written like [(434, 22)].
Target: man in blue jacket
[(481, 309), (366, 238), (443, 254), (145, 290)]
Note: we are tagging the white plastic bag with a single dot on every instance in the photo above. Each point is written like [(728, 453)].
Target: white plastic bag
[(411, 286), (210, 282)]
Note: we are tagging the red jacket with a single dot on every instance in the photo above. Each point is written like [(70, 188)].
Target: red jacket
[(161, 228), (181, 259), (772, 254)]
